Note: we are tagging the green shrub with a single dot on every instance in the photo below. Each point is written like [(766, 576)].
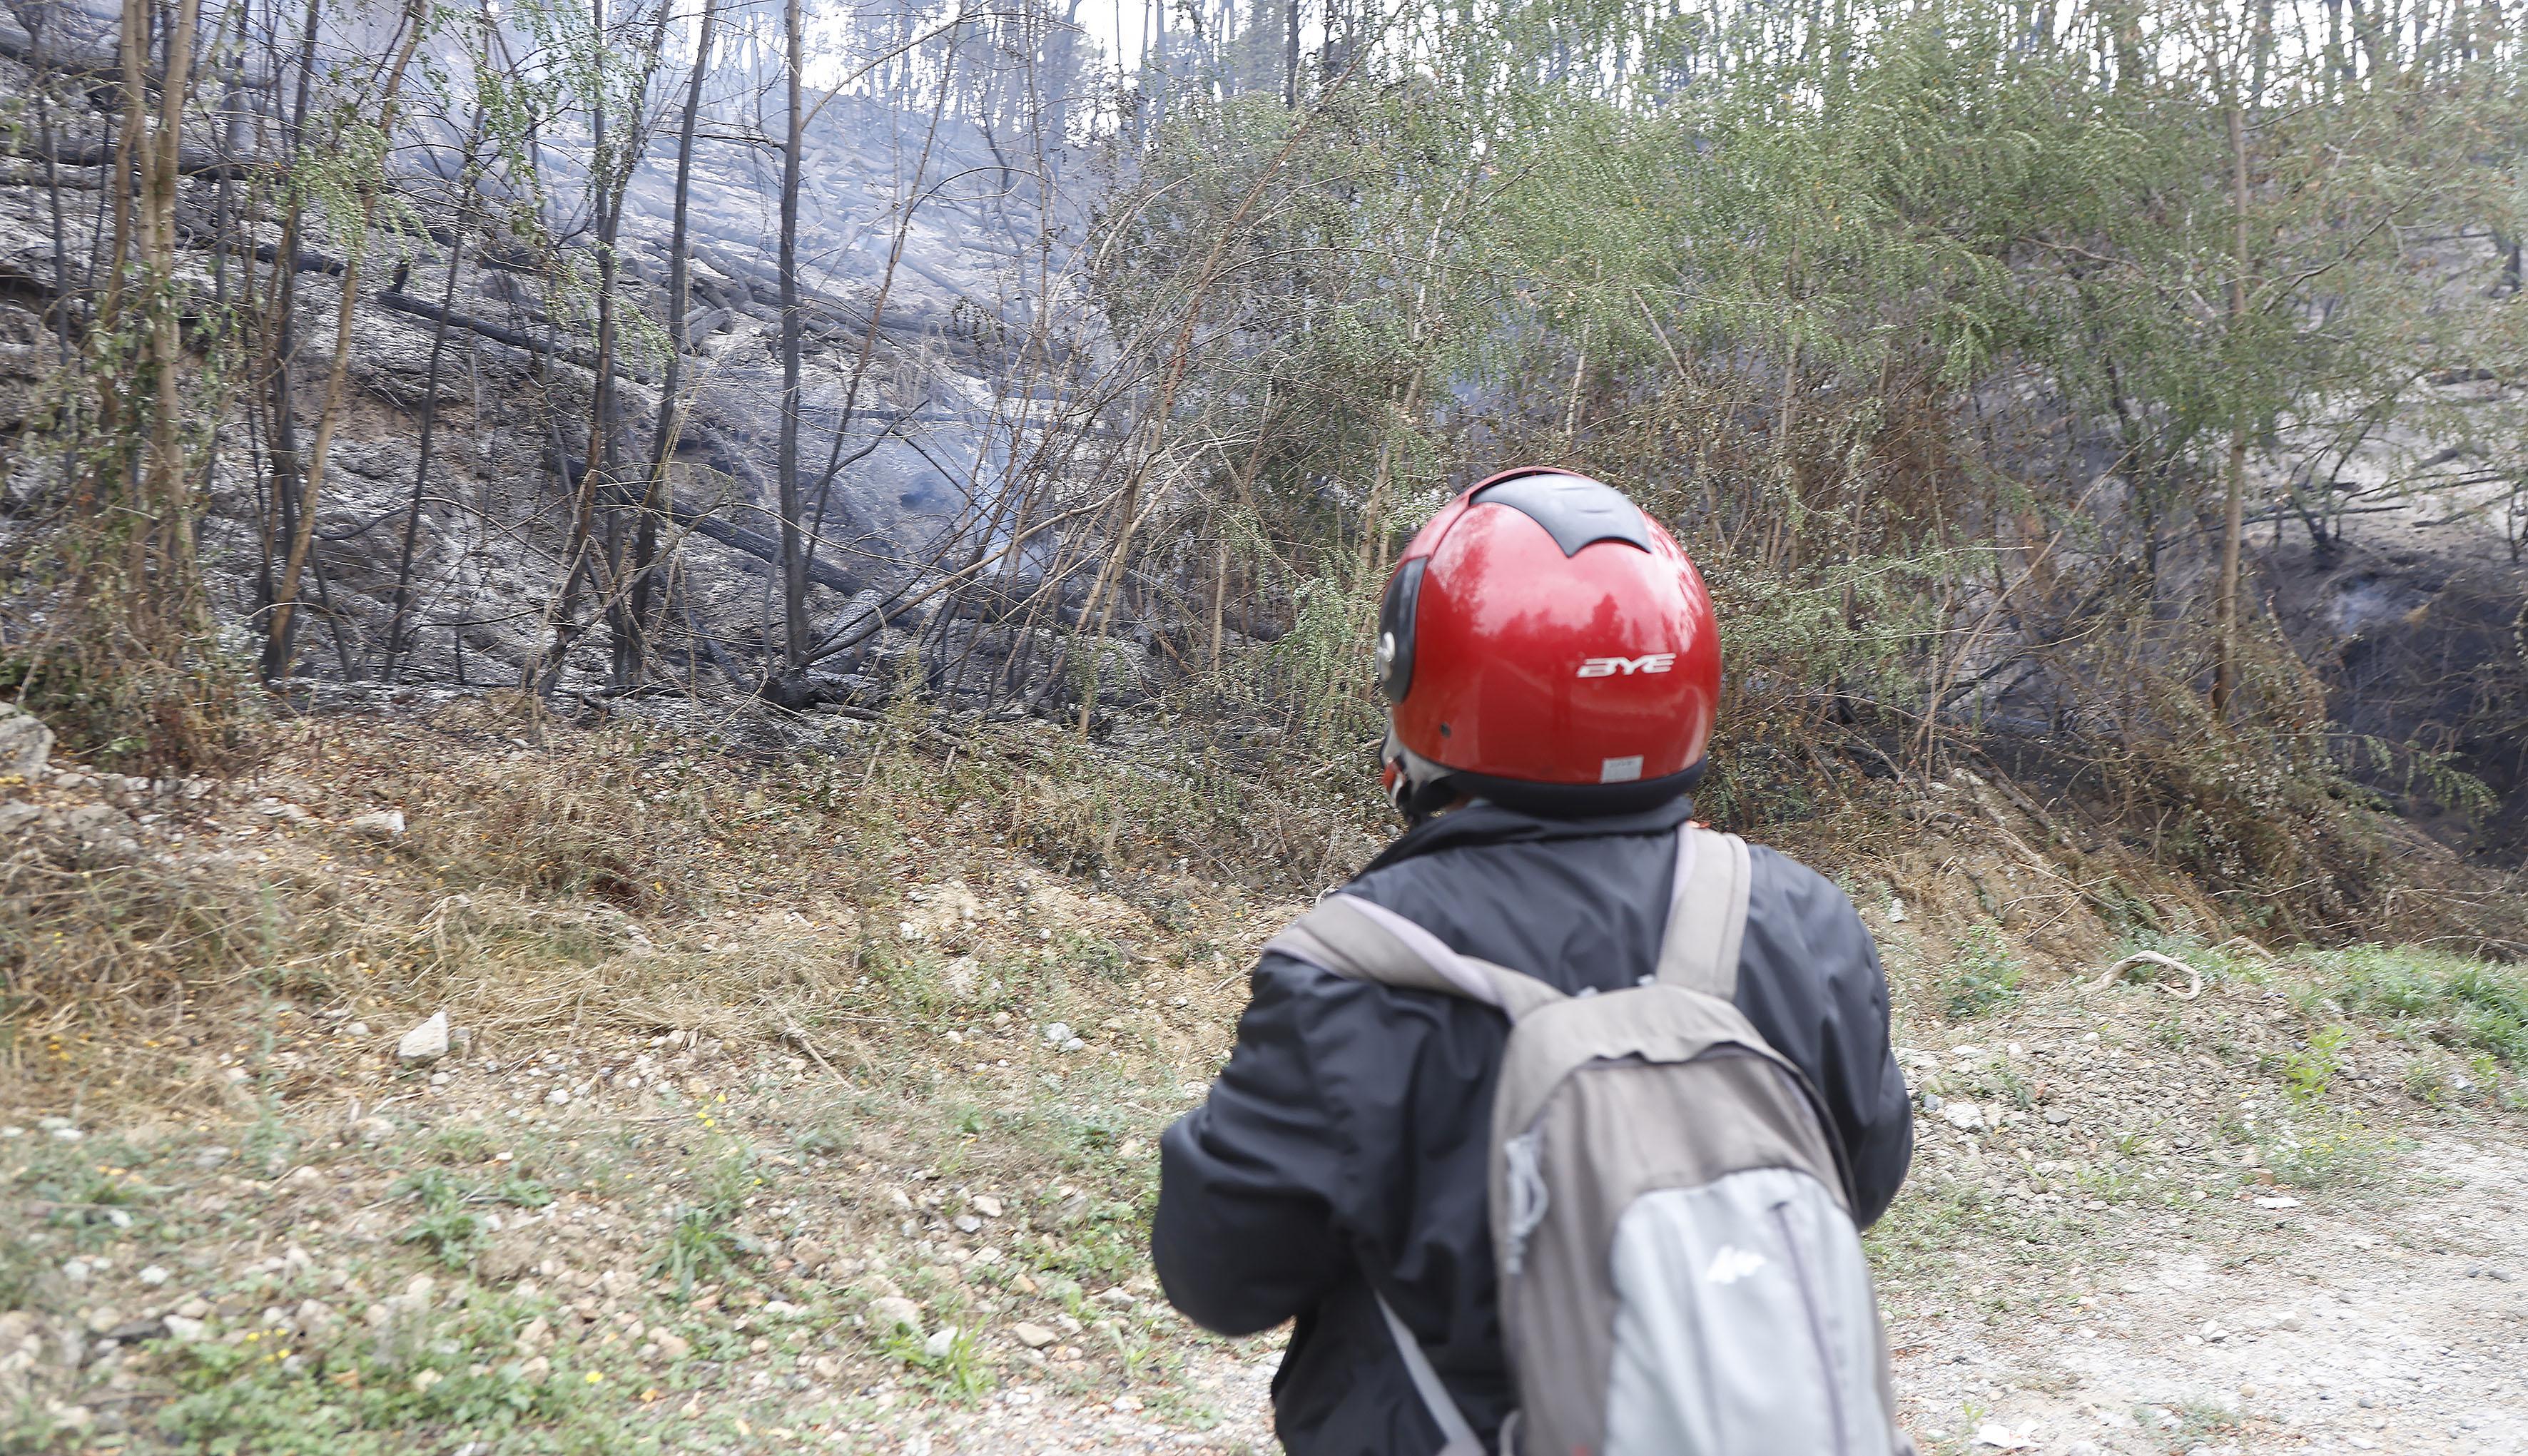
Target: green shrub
[(2309, 1071), (2468, 1003), (1981, 977)]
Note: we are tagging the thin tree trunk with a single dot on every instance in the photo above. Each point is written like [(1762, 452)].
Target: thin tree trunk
[(281, 523), (429, 422), (168, 483), (663, 442), (2225, 673), (416, 14), (794, 561), (1290, 52)]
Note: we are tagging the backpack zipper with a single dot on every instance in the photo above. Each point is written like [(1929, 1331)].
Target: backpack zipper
[(1817, 1328)]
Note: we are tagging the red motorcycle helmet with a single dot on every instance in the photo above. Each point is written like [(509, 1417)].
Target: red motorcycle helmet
[(1545, 645)]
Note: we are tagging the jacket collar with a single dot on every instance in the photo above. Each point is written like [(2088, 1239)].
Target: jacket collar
[(1484, 822)]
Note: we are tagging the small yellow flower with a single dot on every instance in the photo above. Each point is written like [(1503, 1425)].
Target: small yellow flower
[(595, 1378)]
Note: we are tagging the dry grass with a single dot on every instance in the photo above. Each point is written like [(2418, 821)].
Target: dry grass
[(635, 879), (621, 877)]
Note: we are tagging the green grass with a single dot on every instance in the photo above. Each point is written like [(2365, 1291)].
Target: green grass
[(1981, 977), (2338, 1152), (443, 1224), (2310, 1072), (702, 1241), (957, 1372), (2461, 1002), (361, 1392)]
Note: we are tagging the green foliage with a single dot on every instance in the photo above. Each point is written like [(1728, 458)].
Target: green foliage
[(2468, 1002), (702, 1238), (1770, 270), (2333, 1153), (454, 1372), (1981, 975), (958, 1372), (445, 1226), (2308, 1072)]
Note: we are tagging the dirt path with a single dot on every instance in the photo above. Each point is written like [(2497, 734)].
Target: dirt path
[(1029, 1422), (2370, 1325)]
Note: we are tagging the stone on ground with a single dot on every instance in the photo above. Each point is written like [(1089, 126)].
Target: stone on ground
[(425, 1043)]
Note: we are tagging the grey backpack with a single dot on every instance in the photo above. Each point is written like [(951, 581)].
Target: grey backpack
[(1679, 1271)]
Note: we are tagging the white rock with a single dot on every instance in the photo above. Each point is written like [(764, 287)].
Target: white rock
[(25, 744), (154, 1276), (382, 824), (2001, 1438), (1057, 1033), (1895, 910), (1962, 1115), (558, 1097), (941, 1341), (2277, 1202), (425, 1043), (987, 1205), (183, 1330), (895, 1312), (1034, 1337)]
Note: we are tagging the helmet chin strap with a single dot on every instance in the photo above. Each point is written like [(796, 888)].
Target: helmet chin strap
[(1420, 788)]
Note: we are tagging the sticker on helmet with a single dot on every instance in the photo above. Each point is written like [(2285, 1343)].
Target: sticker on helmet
[(1619, 770), (1627, 666)]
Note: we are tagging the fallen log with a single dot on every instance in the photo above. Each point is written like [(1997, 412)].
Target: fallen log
[(395, 301)]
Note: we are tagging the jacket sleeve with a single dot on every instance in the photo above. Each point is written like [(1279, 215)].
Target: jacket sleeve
[(1244, 1235), (1810, 979)]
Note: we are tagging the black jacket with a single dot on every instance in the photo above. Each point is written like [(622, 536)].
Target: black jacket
[(1347, 1139)]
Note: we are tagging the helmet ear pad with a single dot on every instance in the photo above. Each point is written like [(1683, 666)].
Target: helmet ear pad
[(1396, 630)]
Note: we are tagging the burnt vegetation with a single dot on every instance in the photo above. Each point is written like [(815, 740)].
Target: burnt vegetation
[(2119, 398)]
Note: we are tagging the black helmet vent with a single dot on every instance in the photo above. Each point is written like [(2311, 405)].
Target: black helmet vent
[(1575, 510)]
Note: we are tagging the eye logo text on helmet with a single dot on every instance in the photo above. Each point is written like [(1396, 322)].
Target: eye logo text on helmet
[(1626, 667)]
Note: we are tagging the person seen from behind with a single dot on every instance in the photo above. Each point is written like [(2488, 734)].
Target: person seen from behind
[(1555, 1128)]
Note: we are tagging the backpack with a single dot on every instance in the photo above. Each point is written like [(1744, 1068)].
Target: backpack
[(1679, 1271)]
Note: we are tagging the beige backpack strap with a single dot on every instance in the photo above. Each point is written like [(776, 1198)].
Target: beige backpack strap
[(1351, 937), (1706, 913)]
